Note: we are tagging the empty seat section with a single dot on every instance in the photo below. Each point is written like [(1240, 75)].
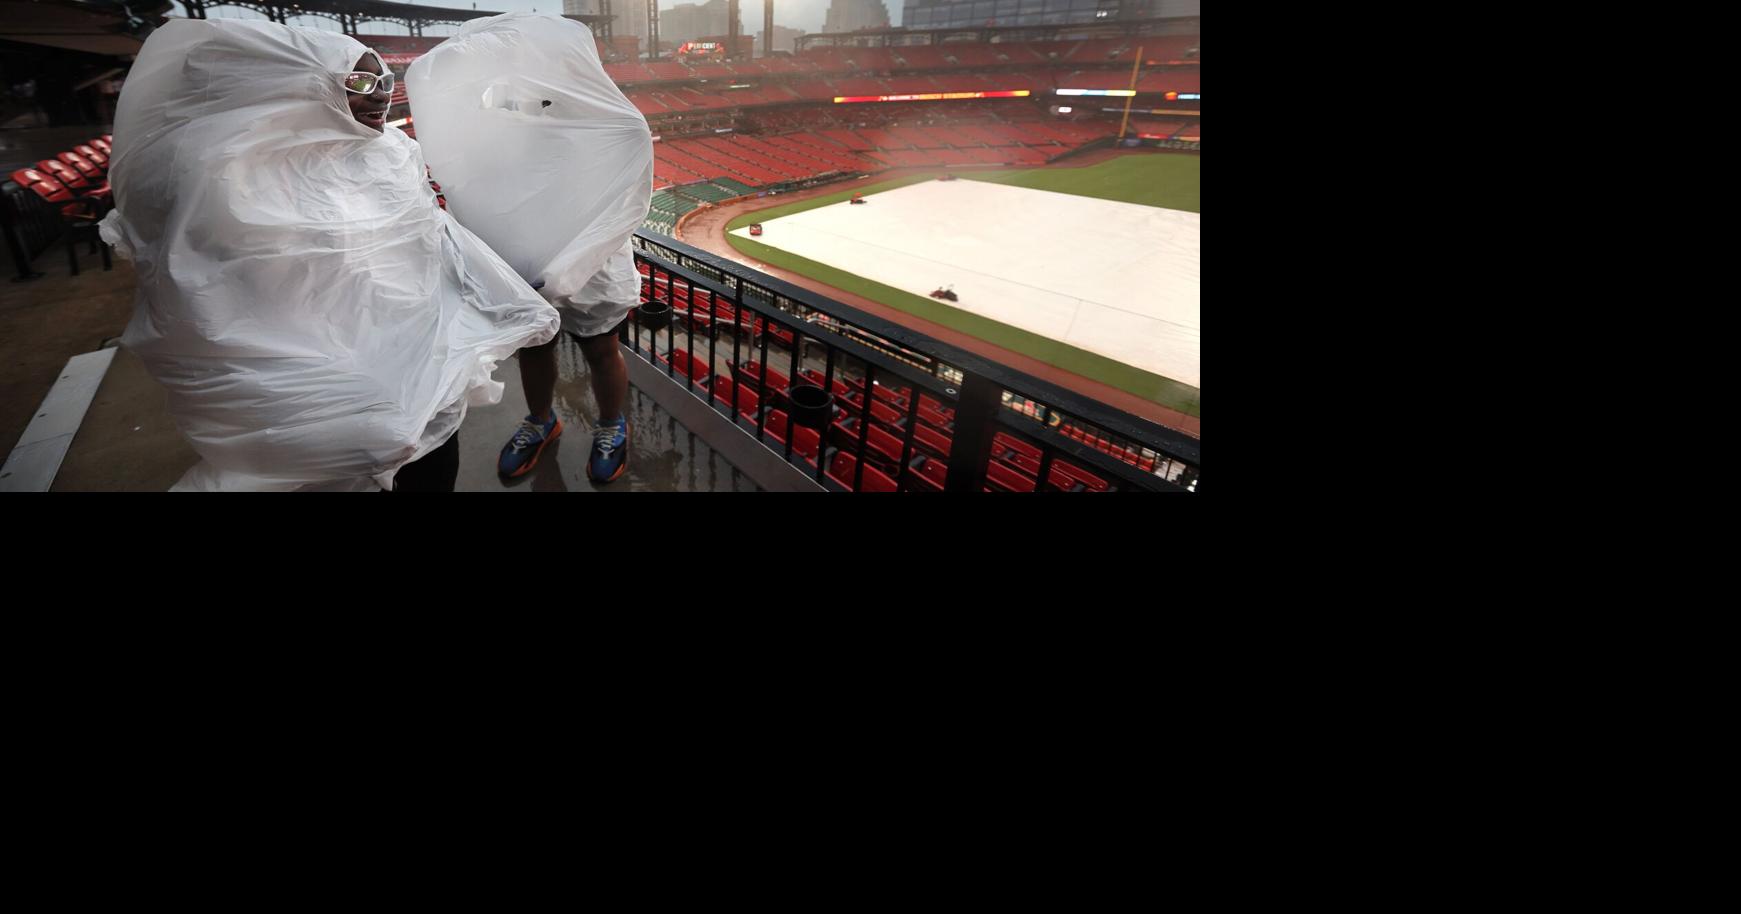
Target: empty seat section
[(1170, 48), (913, 136), (968, 82), (724, 165), (927, 474), (1052, 50), (814, 90), (871, 58), (910, 85), (806, 442), (921, 57), (665, 69), (1096, 51), (681, 361), (973, 53), (849, 139), (844, 469), (729, 153), (1001, 477), (939, 137), (747, 400), (881, 139), (986, 156), (1182, 80), (859, 86), (737, 187), (682, 158), (750, 372), (882, 447)]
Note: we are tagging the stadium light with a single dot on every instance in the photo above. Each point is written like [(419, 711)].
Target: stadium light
[(930, 96)]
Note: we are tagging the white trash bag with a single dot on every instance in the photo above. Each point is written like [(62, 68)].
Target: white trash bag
[(317, 320), (541, 155)]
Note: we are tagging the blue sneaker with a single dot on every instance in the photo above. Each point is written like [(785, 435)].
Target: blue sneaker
[(610, 451), (521, 452)]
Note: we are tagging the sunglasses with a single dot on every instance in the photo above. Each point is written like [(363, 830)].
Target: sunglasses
[(364, 83)]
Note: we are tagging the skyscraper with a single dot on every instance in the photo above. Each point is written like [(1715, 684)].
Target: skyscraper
[(784, 39), (689, 21), (852, 15)]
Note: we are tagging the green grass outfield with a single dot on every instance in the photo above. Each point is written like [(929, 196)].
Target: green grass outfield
[(1170, 181)]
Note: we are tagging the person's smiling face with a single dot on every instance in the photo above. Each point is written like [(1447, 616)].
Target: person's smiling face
[(370, 110)]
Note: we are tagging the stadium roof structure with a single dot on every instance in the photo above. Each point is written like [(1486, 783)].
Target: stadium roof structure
[(897, 37), (350, 14), (92, 26)]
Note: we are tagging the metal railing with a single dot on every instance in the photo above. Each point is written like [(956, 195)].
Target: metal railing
[(862, 404)]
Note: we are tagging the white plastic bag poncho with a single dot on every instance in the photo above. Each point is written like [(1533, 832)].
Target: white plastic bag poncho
[(541, 155), (317, 320)]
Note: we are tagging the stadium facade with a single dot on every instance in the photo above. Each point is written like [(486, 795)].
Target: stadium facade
[(937, 14)]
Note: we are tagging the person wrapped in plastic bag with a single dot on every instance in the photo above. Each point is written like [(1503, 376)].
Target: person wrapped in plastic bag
[(541, 154), (317, 321)]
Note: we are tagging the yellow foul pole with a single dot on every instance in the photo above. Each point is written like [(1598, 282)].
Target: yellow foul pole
[(1129, 98)]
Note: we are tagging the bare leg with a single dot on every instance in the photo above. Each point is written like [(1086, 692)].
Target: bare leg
[(538, 377), (610, 377)]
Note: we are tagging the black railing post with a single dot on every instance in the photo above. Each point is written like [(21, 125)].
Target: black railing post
[(907, 438), (735, 348), (689, 305), (1045, 468), (864, 427), (763, 397), (9, 225), (975, 424)]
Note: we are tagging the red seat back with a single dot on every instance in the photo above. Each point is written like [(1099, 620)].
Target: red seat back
[(63, 173), (1001, 477), (844, 468), (79, 162), (43, 184)]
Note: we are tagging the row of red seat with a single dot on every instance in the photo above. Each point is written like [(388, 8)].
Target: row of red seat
[(1015, 463), (755, 161), (806, 442), (1014, 466), (77, 181), (669, 99), (927, 158), (799, 155), (820, 61), (77, 178), (704, 309)]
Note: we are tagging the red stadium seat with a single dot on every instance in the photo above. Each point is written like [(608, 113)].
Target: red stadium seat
[(685, 365), (85, 166), (806, 443), (750, 372), (844, 467), (79, 212)]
